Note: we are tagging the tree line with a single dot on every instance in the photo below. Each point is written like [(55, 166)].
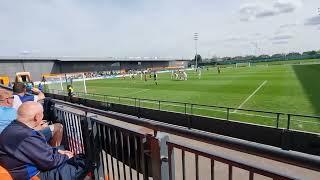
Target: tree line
[(255, 59)]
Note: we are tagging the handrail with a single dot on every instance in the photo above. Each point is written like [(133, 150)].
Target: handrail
[(290, 157), (231, 161)]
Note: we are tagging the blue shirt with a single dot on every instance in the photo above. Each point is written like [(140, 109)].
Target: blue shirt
[(7, 114), (40, 87)]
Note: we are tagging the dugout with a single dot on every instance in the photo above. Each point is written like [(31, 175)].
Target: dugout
[(24, 77)]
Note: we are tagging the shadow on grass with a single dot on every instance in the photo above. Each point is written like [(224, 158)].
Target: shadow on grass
[(309, 77)]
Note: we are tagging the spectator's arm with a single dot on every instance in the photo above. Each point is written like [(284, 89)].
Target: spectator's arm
[(35, 150), (39, 96)]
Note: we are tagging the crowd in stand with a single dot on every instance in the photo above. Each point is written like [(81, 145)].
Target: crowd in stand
[(100, 74), (30, 147)]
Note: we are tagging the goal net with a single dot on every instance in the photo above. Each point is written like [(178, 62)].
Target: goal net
[(245, 64), (59, 82)]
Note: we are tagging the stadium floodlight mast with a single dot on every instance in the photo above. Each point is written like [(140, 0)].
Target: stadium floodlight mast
[(195, 38)]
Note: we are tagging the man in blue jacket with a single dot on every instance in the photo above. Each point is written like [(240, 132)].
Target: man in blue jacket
[(24, 151)]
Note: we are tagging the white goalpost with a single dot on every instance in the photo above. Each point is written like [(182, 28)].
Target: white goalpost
[(61, 81), (53, 82), (245, 64), (78, 82)]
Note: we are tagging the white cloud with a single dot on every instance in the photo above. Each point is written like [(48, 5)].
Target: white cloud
[(254, 11), (292, 25), (287, 28), (286, 6), (282, 37), (280, 42), (313, 21), (235, 38)]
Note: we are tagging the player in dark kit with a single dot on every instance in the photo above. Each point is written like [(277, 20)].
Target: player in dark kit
[(155, 78)]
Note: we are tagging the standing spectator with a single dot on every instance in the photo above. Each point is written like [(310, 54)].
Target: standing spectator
[(10, 85), (8, 113), (41, 86), (20, 89)]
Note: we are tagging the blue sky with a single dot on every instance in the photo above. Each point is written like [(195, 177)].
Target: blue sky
[(162, 28)]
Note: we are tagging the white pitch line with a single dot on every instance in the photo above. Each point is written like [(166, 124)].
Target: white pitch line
[(262, 84), (144, 90)]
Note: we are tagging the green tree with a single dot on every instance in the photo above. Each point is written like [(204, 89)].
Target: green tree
[(199, 58), (310, 53)]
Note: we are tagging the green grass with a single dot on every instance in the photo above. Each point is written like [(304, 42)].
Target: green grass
[(287, 88)]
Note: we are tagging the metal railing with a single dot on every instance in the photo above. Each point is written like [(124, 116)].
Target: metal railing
[(290, 121), (73, 130), (122, 153), (197, 153), (118, 153)]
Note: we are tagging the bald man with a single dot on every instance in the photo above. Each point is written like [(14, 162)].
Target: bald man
[(24, 151)]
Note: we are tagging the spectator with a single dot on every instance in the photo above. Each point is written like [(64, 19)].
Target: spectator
[(20, 95), (10, 85), (54, 132), (41, 87), (24, 151), (8, 113)]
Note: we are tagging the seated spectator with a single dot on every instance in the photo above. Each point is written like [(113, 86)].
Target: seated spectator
[(23, 150), (7, 113), (25, 154), (20, 89), (53, 133)]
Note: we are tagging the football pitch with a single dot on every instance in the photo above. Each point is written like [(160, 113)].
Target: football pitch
[(278, 88)]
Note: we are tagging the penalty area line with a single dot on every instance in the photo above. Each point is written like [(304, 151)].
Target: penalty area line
[(249, 97)]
